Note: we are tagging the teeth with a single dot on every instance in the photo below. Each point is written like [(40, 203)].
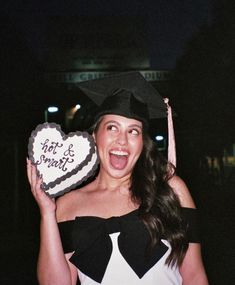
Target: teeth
[(119, 152)]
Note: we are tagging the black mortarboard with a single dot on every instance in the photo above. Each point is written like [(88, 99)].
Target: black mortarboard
[(129, 94)]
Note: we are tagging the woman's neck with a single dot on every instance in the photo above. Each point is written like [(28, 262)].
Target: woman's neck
[(105, 181)]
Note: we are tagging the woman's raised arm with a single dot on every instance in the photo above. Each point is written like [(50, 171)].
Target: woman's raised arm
[(53, 265)]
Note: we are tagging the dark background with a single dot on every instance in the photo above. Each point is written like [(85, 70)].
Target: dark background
[(195, 39)]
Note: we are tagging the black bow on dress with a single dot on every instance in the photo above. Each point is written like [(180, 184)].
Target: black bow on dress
[(89, 238)]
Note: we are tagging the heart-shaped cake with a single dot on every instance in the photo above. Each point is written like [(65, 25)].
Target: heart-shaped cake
[(63, 161)]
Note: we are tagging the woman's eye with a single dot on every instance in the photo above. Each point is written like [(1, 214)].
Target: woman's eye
[(112, 128), (135, 132)]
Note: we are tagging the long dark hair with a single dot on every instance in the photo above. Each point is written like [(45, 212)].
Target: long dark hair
[(160, 208)]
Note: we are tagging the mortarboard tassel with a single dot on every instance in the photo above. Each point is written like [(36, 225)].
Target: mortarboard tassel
[(171, 135)]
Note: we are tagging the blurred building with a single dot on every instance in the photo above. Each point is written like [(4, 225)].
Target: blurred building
[(96, 43), (82, 48)]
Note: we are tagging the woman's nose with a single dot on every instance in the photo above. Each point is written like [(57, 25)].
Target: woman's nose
[(122, 138)]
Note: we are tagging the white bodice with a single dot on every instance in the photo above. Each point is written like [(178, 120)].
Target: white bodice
[(119, 272)]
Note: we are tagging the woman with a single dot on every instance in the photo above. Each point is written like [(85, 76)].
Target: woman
[(133, 224)]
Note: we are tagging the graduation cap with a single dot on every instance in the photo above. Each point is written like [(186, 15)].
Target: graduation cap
[(127, 93), (130, 95)]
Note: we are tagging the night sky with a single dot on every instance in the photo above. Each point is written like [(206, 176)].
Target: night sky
[(170, 23)]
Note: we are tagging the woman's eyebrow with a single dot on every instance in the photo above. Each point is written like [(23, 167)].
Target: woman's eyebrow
[(135, 126), (111, 122), (129, 126)]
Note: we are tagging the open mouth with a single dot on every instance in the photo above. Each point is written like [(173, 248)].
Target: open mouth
[(118, 159)]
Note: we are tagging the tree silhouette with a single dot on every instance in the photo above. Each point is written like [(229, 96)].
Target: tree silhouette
[(204, 88)]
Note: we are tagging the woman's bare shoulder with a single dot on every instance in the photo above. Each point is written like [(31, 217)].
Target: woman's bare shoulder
[(69, 204), (182, 191)]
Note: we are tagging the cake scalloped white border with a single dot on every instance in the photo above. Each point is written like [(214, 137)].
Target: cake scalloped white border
[(73, 178)]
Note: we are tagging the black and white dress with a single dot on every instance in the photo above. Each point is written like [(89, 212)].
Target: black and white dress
[(113, 251)]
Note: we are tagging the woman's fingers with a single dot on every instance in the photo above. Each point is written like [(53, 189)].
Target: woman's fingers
[(29, 170), (34, 177), (45, 203), (34, 180)]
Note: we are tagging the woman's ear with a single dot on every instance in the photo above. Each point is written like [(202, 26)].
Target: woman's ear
[(93, 135)]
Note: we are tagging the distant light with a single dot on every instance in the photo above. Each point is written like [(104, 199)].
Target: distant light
[(78, 106), (52, 109), (159, 138)]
